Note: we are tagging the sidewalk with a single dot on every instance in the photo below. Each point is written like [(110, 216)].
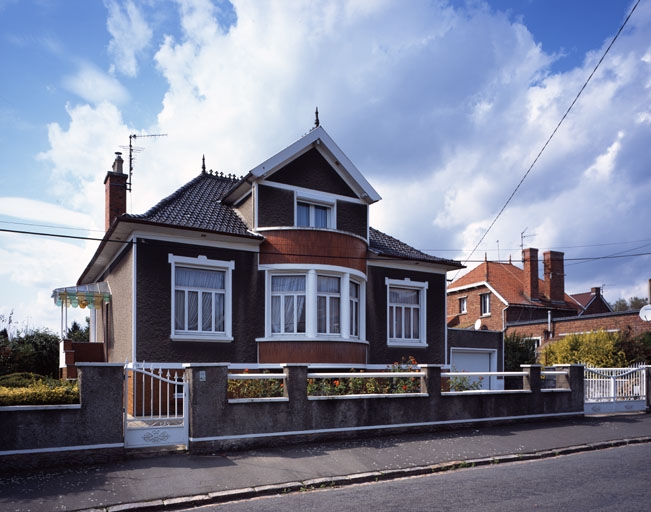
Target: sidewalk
[(169, 481)]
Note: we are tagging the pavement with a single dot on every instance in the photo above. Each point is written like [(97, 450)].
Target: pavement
[(176, 481)]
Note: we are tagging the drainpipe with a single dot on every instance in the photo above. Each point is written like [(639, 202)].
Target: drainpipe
[(549, 322)]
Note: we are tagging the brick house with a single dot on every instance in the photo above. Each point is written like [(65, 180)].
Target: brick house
[(279, 265), (507, 298), (493, 294)]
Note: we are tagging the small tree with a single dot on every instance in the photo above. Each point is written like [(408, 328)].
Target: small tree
[(76, 333), (518, 350), (632, 304), (36, 351), (598, 348)]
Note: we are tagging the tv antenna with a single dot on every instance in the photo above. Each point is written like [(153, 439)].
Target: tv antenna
[(522, 237), (136, 149)]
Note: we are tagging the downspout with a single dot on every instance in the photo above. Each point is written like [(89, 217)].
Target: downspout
[(445, 321), (549, 322), (133, 298)]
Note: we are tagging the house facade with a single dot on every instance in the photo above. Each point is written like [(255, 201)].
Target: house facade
[(278, 266)]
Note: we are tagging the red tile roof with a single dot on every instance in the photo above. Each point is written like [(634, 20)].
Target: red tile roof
[(508, 281)]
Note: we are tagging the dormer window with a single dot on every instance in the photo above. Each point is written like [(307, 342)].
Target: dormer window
[(313, 215)]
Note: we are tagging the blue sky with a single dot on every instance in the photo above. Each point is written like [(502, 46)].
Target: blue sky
[(443, 106)]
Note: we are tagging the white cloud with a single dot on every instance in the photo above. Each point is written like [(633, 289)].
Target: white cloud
[(40, 211), (130, 35), (93, 85)]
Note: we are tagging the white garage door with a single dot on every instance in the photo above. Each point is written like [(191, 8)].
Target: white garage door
[(472, 361)]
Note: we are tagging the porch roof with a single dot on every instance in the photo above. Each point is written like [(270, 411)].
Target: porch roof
[(91, 295)]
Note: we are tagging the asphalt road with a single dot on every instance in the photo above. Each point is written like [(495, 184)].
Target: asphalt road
[(610, 480)]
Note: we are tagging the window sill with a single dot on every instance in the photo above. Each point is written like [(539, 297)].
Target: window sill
[(304, 339), (194, 338), (407, 344)]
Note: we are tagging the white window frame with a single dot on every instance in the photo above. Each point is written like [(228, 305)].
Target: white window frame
[(485, 304), (314, 201), (331, 300), (282, 297), (421, 288), (345, 275), (202, 262), (354, 317), (463, 305)]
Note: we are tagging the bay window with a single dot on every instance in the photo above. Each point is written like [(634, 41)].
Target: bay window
[(318, 301)]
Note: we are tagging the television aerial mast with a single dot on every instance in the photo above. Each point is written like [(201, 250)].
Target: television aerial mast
[(135, 149)]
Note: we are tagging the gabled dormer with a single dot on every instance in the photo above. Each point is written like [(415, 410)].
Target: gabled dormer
[(310, 184)]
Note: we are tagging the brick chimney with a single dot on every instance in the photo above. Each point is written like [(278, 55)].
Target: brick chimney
[(596, 291), (530, 257), (115, 187), (554, 268)]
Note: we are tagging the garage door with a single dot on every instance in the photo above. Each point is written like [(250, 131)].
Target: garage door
[(472, 361)]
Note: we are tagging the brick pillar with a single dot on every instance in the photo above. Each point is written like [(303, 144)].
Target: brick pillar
[(115, 192), (554, 269), (531, 273)]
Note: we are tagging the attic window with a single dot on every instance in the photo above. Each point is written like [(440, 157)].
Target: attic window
[(313, 215)]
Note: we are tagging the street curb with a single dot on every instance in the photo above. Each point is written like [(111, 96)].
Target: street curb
[(314, 484)]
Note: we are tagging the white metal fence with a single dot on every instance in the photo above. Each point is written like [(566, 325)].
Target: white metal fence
[(156, 405), (615, 389)]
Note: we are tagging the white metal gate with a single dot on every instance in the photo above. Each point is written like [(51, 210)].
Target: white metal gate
[(155, 405), (609, 390)]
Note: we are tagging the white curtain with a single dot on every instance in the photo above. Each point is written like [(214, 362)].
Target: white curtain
[(287, 304), (199, 286)]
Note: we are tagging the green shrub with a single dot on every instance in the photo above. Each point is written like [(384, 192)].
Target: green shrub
[(256, 388), (598, 348), (37, 391), (367, 386), (20, 380)]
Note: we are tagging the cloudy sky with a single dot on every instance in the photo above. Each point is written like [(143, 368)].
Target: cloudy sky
[(442, 105)]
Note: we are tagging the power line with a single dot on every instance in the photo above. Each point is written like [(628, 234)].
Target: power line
[(553, 132), (309, 255)]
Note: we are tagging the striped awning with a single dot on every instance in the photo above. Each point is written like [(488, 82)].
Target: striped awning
[(87, 295)]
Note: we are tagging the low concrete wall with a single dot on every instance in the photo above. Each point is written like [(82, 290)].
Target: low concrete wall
[(34, 436), (216, 424), (94, 430)]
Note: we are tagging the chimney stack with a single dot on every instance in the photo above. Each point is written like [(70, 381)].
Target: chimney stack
[(115, 188), (596, 291), (531, 273), (554, 268)]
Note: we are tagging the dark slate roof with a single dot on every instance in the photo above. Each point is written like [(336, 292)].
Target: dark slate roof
[(197, 204), (385, 245)]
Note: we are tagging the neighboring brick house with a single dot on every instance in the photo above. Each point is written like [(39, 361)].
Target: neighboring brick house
[(503, 297), (280, 265), (493, 294)]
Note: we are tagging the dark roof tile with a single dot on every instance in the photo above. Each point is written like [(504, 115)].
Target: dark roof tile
[(197, 204)]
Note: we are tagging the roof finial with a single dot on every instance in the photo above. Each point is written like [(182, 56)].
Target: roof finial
[(316, 117), (203, 164)]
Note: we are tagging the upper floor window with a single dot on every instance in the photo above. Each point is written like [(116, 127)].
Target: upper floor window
[(313, 215), (201, 298), (463, 305), (406, 312), (485, 304)]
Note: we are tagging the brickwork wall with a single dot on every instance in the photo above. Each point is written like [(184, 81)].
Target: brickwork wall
[(626, 322)]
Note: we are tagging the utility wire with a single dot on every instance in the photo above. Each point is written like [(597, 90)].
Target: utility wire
[(552, 134), (311, 255)]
